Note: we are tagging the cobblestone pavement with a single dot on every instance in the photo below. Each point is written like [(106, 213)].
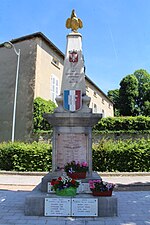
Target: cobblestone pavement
[(133, 206), (133, 209)]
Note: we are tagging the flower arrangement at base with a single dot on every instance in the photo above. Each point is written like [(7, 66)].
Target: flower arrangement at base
[(101, 188), (65, 186), (76, 170)]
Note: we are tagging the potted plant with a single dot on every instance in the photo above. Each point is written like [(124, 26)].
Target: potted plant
[(65, 186), (101, 188), (76, 170)]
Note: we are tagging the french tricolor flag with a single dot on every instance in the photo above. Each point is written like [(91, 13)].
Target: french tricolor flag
[(72, 100)]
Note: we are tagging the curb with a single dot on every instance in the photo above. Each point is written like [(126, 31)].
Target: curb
[(3, 172)]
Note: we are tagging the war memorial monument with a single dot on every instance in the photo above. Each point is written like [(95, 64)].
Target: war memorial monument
[(72, 124)]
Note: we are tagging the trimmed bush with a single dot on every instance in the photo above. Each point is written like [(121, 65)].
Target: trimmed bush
[(108, 155), (137, 123), (25, 157), (124, 156)]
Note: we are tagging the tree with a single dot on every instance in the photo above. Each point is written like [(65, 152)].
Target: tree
[(146, 100), (144, 89), (42, 106), (114, 97), (134, 95), (128, 93)]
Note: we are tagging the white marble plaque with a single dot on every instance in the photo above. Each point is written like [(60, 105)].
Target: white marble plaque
[(71, 147), (84, 207), (57, 207), (83, 187)]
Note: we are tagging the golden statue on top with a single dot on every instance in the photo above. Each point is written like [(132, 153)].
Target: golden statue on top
[(74, 23)]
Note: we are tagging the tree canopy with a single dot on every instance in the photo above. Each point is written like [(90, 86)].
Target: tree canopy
[(128, 93), (133, 96)]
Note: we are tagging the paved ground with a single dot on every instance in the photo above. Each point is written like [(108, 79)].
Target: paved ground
[(133, 206)]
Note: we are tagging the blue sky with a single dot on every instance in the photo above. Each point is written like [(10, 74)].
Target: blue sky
[(116, 33)]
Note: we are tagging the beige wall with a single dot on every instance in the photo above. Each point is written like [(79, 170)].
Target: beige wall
[(98, 99), (45, 68)]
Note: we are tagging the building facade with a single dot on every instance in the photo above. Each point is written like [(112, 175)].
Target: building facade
[(40, 75)]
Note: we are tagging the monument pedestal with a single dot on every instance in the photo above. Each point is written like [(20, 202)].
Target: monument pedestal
[(40, 202), (72, 137), (35, 205)]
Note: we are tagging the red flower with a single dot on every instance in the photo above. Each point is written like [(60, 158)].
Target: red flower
[(59, 178), (53, 181), (56, 182), (73, 181)]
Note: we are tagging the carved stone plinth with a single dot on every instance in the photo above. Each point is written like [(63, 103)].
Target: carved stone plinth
[(72, 137)]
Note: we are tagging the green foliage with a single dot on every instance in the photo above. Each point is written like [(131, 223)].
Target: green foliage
[(143, 78), (136, 123), (114, 97), (42, 106), (124, 156), (134, 95), (128, 93), (20, 156)]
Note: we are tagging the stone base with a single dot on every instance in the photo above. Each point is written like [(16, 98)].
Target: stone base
[(35, 201), (34, 204)]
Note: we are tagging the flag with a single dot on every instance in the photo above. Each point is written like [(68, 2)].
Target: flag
[(72, 100)]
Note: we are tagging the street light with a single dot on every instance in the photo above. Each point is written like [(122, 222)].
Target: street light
[(10, 45)]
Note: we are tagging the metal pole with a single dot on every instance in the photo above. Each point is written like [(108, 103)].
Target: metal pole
[(15, 96)]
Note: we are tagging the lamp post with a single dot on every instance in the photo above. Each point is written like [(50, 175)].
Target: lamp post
[(10, 45)]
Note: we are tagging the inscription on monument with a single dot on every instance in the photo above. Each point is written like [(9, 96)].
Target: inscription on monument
[(73, 77), (71, 147), (57, 207), (84, 207), (83, 188)]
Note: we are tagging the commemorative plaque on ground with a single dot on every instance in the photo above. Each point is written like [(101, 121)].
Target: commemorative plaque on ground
[(71, 207), (57, 207), (72, 123), (85, 207)]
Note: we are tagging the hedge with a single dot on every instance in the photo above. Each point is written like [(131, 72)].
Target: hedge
[(25, 157), (124, 156), (137, 123)]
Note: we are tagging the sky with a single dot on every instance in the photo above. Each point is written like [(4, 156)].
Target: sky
[(115, 33)]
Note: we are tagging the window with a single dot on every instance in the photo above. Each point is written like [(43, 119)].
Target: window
[(54, 88), (95, 108), (103, 112), (55, 61), (109, 106), (103, 101), (94, 93), (87, 88)]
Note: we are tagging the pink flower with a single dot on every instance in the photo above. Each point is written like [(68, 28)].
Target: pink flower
[(92, 186), (84, 164)]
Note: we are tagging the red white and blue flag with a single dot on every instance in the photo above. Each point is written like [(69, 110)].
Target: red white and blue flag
[(72, 100)]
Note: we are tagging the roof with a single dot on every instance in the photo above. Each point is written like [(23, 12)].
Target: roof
[(34, 35), (52, 46), (87, 78)]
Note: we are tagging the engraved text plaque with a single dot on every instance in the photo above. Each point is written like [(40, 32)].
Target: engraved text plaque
[(57, 207), (84, 207)]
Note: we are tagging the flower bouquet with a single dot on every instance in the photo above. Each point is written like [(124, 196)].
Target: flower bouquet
[(101, 188), (76, 170), (65, 186)]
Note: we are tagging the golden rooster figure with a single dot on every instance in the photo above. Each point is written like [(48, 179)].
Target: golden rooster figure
[(74, 23)]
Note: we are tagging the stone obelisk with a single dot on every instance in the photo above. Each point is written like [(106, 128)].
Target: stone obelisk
[(72, 120)]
